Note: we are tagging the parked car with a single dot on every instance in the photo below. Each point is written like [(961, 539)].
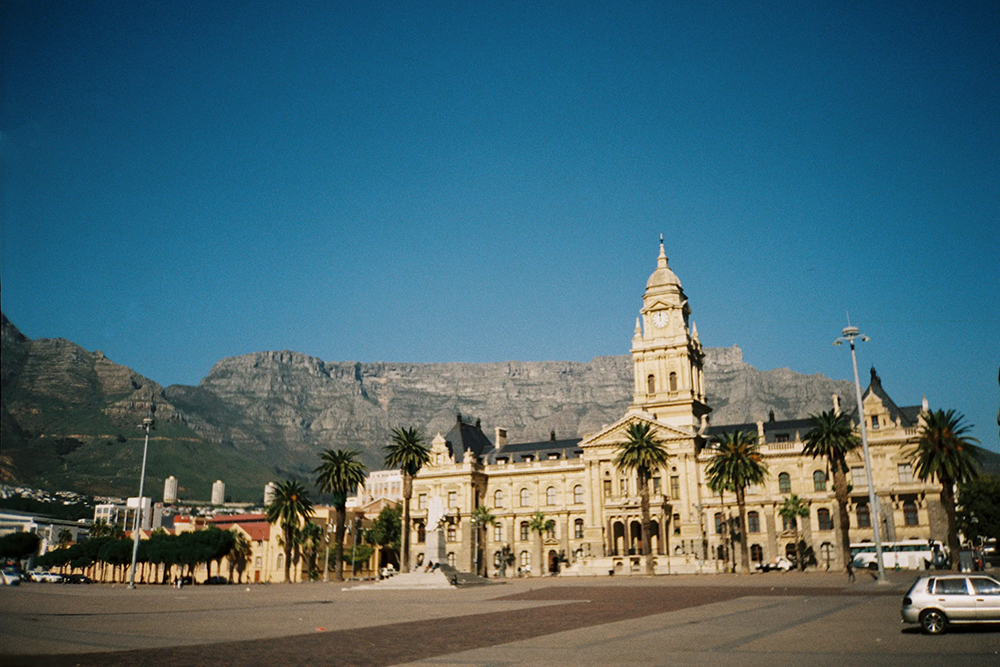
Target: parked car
[(216, 580), (938, 601), (777, 563), (44, 577), (77, 579), (9, 577)]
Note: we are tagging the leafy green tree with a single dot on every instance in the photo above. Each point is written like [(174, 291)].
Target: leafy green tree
[(793, 509), (832, 438), (19, 545), (644, 454), (736, 464), (946, 452), (408, 453), (386, 531), (481, 518), (291, 507), (978, 511), (340, 474), (540, 525)]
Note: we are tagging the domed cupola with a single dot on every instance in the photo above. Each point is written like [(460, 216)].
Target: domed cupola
[(662, 277)]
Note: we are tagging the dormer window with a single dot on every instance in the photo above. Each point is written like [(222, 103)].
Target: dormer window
[(553, 456), (502, 460), (781, 437), (528, 458), (875, 423)]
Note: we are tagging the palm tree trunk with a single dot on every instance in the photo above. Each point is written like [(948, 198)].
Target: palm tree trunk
[(948, 503), (741, 506), (840, 492), (798, 546), (541, 556), (647, 545), (407, 492), (338, 551)]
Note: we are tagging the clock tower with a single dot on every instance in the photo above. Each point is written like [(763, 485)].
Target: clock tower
[(666, 354)]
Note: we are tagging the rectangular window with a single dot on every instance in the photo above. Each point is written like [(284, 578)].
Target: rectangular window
[(781, 437), (858, 477), (452, 499), (677, 524), (498, 533), (675, 487), (753, 522), (905, 471), (422, 501), (257, 561), (623, 485), (607, 488), (656, 486)]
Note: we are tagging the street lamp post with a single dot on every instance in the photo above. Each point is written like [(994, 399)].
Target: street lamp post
[(849, 334), (147, 425)]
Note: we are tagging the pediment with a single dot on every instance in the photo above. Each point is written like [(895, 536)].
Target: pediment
[(618, 432), (658, 304)]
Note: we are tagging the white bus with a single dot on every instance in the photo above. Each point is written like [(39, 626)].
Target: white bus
[(906, 555)]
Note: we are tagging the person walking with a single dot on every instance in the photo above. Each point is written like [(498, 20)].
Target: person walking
[(850, 572)]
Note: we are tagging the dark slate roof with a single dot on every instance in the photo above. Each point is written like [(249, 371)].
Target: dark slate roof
[(540, 451), (464, 436), (771, 429)]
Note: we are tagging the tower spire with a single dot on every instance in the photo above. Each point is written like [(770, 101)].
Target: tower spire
[(661, 261)]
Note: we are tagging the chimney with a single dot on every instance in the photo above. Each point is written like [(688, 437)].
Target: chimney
[(552, 435), (458, 418), (501, 438), (479, 424), (836, 404), (770, 415)]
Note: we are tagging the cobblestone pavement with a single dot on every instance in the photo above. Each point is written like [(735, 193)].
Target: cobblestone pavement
[(761, 619)]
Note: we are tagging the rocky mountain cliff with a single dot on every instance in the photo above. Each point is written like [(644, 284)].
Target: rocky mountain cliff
[(266, 415)]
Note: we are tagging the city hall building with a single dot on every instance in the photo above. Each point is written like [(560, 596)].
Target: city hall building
[(594, 507)]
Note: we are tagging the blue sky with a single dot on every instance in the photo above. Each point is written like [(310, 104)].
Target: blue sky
[(480, 181)]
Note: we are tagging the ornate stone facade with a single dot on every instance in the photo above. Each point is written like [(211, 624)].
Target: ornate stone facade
[(595, 510)]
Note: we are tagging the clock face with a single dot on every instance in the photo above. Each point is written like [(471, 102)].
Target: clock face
[(661, 318)]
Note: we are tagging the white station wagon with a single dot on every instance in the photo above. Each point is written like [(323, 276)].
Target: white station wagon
[(936, 601)]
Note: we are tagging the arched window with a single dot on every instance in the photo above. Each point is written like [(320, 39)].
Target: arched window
[(525, 531), (451, 558), (651, 385), (756, 553), (578, 494), (824, 519), (864, 516), (753, 522), (578, 529), (550, 532), (525, 559), (498, 533), (550, 495), (525, 498), (281, 561), (498, 498), (718, 523), (673, 382), (421, 532), (910, 516), (788, 522), (819, 481), (452, 532), (784, 483)]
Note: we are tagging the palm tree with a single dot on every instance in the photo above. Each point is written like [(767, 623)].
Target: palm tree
[(291, 505), (791, 510), (65, 538), (737, 464), (643, 453), (340, 474), (946, 452), (408, 453), (832, 438), (540, 525), (481, 517), (239, 554)]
